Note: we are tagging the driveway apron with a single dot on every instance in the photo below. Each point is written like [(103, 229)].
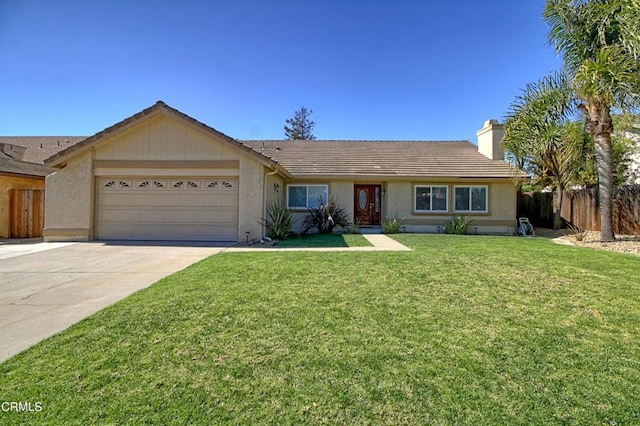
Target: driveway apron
[(45, 289)]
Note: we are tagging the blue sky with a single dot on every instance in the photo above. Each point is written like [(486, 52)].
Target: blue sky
[(369, 69)]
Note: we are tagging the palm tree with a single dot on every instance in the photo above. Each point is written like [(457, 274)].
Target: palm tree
[(600, 45), (541, 140)]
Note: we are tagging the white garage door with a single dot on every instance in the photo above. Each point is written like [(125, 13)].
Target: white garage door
[(159, 208)]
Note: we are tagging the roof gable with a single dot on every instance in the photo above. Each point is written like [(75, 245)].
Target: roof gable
[(144, 115)]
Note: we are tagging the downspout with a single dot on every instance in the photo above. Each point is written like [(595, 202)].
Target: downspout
[(264, 201)]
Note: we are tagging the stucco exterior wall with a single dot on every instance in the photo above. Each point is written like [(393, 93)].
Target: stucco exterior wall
[(251, 200), (398, 201), (69, 201), (342, 193), (6, 184), (499, 219), (274, 193)]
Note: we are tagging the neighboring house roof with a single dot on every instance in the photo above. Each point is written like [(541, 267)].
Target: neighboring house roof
[(38, 148), (24, 155), (321, 159), (15, 167)]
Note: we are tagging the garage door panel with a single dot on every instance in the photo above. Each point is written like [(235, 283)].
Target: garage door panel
[(159, 217), (117, 199), (226, 200), (167, 209)]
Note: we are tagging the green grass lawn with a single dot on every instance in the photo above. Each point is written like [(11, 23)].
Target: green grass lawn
[(325, 240), (462, 330)]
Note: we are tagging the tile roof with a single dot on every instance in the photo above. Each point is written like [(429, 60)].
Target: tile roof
[(373, 159), (298, 159)]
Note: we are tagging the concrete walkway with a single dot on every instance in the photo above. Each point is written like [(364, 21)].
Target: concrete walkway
[(379, 242)]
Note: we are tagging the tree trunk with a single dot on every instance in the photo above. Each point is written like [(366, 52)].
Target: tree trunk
[(601, 128), (557, 215)]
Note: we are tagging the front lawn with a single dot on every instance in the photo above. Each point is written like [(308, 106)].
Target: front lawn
[(467, 330)]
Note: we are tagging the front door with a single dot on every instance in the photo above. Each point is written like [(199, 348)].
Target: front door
[(367, 204)]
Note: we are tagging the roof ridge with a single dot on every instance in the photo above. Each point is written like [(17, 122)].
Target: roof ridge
[(357, 140)]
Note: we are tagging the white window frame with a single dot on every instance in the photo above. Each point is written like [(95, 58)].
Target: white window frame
[(470, 187), (306, 186), (430, 187)]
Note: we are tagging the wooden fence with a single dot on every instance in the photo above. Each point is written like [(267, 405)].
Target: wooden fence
[(26, 213), (538, 207), (581, 209)]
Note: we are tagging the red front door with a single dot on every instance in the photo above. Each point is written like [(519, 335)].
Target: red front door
[(366, 199)]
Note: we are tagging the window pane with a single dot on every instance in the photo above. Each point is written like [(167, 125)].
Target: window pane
[(297, 196), (462, 199), (439, 198), (317, 194), (423, 194), (479, 199)]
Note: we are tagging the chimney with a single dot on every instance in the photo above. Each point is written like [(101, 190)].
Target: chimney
[(490, 140)]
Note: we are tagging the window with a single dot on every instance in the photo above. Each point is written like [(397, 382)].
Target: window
[(471, 199), (303, 196), (431, 198)]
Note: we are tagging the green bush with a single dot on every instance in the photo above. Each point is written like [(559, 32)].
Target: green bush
[(325, 217), (279, 221), (392, 225), (458, 225)]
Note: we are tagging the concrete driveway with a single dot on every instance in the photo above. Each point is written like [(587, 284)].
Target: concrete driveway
[(46, 287)]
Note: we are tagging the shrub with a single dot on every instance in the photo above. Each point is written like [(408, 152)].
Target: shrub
[(392, 225), (279, 221), (576, 232), (353, 228), (325, 217), (458, 225)]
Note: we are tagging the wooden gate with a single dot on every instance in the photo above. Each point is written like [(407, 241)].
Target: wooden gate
[(26, 213)]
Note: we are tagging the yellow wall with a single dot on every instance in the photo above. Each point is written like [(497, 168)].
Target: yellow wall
[(398, 200), (70, 198), (250, 201), (7, 183), (69, 201), (164, 138)]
